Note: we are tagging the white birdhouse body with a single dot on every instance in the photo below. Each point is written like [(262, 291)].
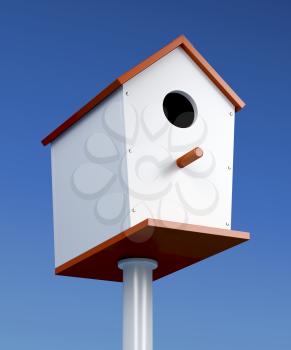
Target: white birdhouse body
[(117, 166)]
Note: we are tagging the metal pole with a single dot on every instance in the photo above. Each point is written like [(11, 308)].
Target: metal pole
[(137, 303)]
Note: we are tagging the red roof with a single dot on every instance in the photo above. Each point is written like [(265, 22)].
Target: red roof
[(182, 42)]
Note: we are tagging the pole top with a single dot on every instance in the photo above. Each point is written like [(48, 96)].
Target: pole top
[(149, 263)]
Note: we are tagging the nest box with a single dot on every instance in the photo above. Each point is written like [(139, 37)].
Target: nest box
[(145, 169)]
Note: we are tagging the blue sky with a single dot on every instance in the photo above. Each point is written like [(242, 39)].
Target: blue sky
[(55, 55)]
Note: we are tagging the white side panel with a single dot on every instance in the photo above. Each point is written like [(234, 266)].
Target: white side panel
[(90, 205), (200, 193)]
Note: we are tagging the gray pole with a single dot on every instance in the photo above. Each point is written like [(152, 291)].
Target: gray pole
[(137, 303)]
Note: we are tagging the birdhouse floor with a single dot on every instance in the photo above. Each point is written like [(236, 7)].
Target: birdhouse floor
[(174, 245)]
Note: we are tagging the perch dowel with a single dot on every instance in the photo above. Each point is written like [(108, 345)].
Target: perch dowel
[(189, 157)]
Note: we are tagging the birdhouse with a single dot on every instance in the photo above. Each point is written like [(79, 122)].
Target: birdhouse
[(145, 169)]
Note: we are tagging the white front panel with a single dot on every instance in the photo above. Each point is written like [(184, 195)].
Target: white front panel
[(89, 202), (201, 192)]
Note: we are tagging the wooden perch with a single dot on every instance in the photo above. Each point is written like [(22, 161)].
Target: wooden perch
[(189, 157)]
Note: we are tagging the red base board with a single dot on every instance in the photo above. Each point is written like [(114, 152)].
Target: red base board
[(173, 245)]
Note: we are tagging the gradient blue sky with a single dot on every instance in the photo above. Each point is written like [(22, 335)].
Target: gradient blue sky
[(55, 55)]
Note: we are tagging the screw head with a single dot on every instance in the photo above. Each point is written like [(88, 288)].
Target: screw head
[(227, 223), (133, 210), (126, 93), (130, 150), (229, 168), (230, 113)]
